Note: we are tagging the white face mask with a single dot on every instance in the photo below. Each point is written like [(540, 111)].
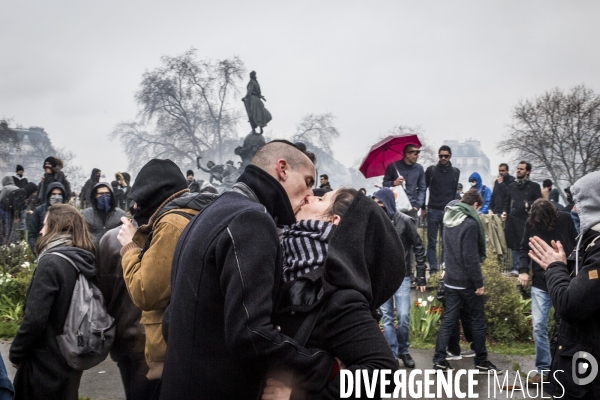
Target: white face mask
[(55, 199), (473, 184)]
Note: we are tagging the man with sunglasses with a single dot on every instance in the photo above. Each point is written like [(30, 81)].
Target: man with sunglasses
[(410, 174), (442, 181)]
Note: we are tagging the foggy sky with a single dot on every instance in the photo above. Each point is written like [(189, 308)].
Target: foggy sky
[(456, 68)]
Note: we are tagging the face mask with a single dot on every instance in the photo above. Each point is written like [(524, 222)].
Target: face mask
[(473, 184), (55, 199), (103, 202), (575, 217)]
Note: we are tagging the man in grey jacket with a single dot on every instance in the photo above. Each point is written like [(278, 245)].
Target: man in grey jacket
[(411, 175), (103, 214)]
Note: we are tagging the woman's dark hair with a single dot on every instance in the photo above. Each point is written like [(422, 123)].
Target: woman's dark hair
[(341, 202), (543, 215), (63, 218)]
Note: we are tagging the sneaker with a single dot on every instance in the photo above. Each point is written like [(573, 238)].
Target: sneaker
[(468, 353), (453, 357), (443, 366), (537, 379), (514, 273), (486, 366), (407, 360)]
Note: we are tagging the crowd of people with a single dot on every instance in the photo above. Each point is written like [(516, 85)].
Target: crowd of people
[(269, 289)]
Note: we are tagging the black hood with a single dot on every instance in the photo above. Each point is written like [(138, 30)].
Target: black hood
[(93, 200), (94, 172), (270, 194), (156, 182), (365, 253), (54, 185), (82, 258)]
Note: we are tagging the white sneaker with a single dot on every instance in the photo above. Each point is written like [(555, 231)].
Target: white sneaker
[(453, 357), (468, 353)]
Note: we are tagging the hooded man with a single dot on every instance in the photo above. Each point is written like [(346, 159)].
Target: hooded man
[(53, 173), (484, 191), (103, 214), (409, 236), (162, 207), (222, 340), (574, 287), (86, 191), (124, 179), (8, 185), (55, 194), (20, 180), (192, 183)]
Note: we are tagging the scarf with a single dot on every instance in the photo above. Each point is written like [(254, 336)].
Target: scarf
[(64, 239), (457, 214), (305, 246)]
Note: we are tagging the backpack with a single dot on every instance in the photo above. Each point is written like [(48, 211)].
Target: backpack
[(14, 202), (89, 330)]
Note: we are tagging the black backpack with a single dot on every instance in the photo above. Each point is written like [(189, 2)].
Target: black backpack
[(14, 202)]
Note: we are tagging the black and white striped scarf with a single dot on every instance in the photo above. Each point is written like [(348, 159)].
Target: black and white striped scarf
[(305, 247)]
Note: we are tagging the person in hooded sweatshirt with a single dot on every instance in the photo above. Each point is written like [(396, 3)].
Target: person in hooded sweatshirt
[(574, 286), (411, 241), (103, 214), (42, 371), (86, 191), (13, 212), (55, 194), (484, 191), (18, 178), (53, 173), (162, 206), (8, 185), (341, 283)]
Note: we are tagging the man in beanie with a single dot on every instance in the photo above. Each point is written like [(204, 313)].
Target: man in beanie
[(103, 214), (222, 341), (192, 183), (162, 206), (20, 180), (409, 236)]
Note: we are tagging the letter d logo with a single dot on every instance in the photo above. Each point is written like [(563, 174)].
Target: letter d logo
[(588, 360)]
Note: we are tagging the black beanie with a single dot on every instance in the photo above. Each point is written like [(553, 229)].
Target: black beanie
[(50, 160), (157, 181), (30, 188), (190, 172), (20, 168)]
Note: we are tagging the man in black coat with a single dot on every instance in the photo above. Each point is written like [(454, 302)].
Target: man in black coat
[(103, 214), (224, 283), (574, 288), (500, 190), (55, 194), (521, 195)]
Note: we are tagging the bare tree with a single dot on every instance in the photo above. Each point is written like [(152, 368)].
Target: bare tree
[(8, 138), (185, 110), (318, 130), (558, 133)]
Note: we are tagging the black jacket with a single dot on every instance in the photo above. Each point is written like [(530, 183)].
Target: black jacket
[(564, 230), (409, 236), (98, 221), (43, 371), (519, 198), (575, 299), (86, 190), (461, 256), (37, 219), (499, 194), (227, 267), (363, 269), (442, 182)]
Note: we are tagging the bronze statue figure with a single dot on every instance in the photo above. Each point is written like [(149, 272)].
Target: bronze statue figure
[(258, 115), (252, 143)]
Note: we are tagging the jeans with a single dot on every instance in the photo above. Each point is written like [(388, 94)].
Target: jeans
[(516, 259), (133, 369), (398, 340), (455, 299), (434, 224), (454, 343), (540, 308)]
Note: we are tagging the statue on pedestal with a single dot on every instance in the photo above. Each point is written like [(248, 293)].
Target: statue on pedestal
[(258, 115), (252, 143)]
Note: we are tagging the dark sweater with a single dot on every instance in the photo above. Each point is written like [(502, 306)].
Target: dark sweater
[(461, 256), (442, 182)]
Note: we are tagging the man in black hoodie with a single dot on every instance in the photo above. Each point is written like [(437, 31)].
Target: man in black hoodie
[(500, 190), (55, 194), (226, 271), (103, 214), (86, 191)]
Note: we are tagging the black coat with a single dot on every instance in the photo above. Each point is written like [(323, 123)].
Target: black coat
[(575, 300), (499, 194), (227, 266), (36, 222), (519, 199), (43, 372), (363, 268)]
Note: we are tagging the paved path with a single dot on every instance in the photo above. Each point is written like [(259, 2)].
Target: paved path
[(104, 382)]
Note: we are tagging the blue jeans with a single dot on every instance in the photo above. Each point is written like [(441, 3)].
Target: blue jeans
[(540, 308), (455, 299), (516, 259), (434, 224), (398, 340)]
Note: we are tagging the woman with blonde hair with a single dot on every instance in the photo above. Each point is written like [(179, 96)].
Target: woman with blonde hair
[(42, 371)]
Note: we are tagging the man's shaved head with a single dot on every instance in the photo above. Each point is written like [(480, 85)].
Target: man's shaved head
[(275, 150)]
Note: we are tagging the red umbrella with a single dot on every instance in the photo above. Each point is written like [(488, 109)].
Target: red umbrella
[(386, 152)]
